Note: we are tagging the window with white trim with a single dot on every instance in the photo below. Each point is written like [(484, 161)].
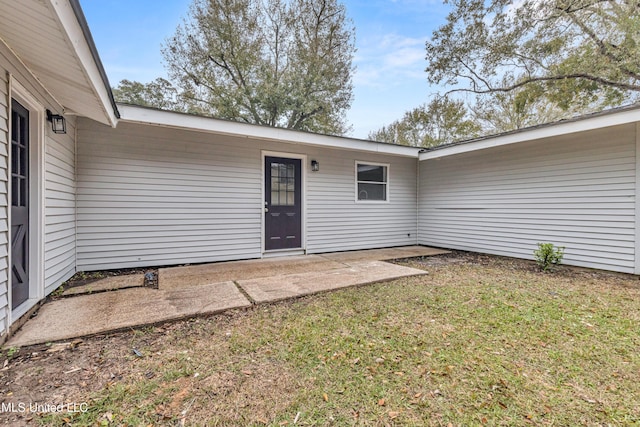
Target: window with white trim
[(372, 182)]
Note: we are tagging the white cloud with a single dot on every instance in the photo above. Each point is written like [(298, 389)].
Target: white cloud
[(397, 41), (389, 59), (405, 57)]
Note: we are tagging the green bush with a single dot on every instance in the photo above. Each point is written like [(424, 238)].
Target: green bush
[(548, 256)]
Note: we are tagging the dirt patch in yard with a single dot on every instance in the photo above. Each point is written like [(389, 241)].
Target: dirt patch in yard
[(60, 373), (70, 373), (512, 264), (454, 257), (105, 281)]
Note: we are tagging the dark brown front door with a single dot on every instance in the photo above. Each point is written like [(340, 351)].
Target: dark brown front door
[(283, 203), (19, 204)]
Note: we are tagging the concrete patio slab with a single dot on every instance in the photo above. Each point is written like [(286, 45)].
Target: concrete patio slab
[(275, 288), (107, 284), (197, 275), (383, 254), (206, 289), (109, 311)]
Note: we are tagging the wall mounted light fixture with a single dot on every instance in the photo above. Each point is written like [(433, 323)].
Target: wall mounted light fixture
[(315, 166), (58, 122)]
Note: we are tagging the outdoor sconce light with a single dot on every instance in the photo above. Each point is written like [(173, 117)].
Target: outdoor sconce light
[(58, 123), (315, 166)]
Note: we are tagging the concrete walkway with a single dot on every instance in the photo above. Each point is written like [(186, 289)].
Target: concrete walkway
[(207, 289)]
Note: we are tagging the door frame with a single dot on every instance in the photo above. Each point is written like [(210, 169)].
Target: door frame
[(37, 135), (303, 200)]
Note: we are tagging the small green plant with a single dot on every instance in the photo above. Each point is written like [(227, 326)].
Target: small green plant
[(548, 256), (59, 291), (12, 351)]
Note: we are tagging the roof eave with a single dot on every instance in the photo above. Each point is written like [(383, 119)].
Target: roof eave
[(620, 116), (149, 116), (75, 25)]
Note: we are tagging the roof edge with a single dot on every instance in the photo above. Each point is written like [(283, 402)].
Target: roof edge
[(152, 116), (612, 117), (104, 93)]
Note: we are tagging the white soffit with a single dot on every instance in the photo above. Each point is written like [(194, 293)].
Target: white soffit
[(620, 116), (149, 116), (49, 39)]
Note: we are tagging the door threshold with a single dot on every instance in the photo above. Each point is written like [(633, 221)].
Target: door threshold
[(282, 252), (23, 308)]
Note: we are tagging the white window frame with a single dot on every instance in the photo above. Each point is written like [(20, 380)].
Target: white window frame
[(387, 183)]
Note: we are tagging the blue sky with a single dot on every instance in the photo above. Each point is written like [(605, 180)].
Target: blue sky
[(390, 37)]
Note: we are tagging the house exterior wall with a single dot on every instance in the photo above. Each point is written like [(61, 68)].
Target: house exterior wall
[(151, 195), (56, 173), (336, 222), (577, 191), (60, 207), (4, 215)]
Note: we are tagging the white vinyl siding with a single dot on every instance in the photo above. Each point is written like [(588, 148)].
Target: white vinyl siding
[(149, 195), (59, 189), (60, 206), (155, 196), (338, 222), (576, 191), (4, 225)]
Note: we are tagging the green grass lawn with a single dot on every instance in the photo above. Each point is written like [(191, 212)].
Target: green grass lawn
[(485, 341)]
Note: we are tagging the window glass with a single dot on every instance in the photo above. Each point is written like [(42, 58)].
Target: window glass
[(372, 173), (371, 182), (368, 191), (283, 177)]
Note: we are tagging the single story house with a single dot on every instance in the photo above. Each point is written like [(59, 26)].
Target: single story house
[(86, 184)]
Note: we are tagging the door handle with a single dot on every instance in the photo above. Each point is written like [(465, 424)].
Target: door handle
[(266, 209)]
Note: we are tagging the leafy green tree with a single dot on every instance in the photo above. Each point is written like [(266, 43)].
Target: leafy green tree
[(577, 52), (440, 121), (270, 62), (519, 108), (158, 94)]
